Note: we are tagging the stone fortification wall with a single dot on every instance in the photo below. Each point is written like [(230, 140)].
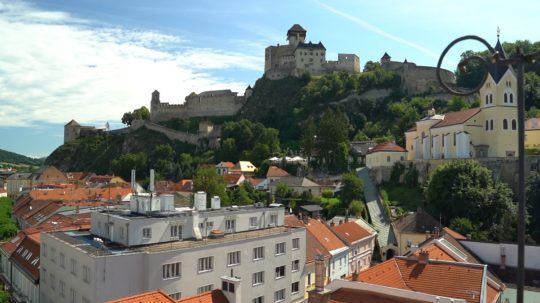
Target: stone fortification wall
[(417, 79), (504, 169)]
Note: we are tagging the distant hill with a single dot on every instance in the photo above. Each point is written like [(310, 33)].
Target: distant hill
[(14, 158)]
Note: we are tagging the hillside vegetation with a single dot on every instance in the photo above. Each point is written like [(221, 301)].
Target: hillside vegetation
[(14, 158)]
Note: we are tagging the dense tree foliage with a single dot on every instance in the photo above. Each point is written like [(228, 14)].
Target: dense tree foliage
[(533, 205), (139, 114), (207, 179), (353, 189), (465, 189), (8, 227), (332, 141)]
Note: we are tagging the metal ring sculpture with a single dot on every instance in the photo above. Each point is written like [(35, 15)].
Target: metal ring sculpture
[(461, 66)]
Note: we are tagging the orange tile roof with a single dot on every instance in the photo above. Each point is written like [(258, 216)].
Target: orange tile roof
[(351, 231), (313, 246), (214, 296), (454, 118), (324, 235), (347, 295), (156, 296), (441, 278), (436, 253), (274, 171), (454, 234), (386, 147), (80, 194)]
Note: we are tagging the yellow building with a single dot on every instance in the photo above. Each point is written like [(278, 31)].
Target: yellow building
[(385, 154), (532, 133), (413, 229), (487, 131)]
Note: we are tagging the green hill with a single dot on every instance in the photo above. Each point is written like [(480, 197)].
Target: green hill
[(14, 158)]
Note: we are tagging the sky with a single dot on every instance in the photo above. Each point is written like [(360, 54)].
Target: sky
[(93, 60)]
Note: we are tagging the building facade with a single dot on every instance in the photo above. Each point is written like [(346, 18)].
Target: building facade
[(242, 250), (487, 131), (298, 57)]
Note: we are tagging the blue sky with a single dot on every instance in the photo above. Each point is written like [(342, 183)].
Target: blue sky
[(93, 60)]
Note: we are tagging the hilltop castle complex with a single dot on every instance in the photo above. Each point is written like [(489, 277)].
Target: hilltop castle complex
[(299, 57)]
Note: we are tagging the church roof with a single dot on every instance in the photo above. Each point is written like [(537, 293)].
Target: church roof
[(498, 69), (296, 28), (386, 147), (311, 45), (386, 56), (457, 117)]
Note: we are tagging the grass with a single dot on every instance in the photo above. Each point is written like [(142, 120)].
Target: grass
[(409, 199), (8, 227)]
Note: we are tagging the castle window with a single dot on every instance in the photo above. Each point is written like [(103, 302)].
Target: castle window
[(511, 98), (442, 140), (487, 125), (505, 124), (487, 99), (490, 98), (514, 124), (491, 124), (454, 139), (505, 98)]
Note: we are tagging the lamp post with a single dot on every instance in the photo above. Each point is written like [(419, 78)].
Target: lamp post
[(517, 61)]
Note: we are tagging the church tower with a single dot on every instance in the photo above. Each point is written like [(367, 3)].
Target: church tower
[(296, 34), (498, 100)]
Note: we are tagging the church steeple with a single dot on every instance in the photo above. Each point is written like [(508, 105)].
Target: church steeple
[(498, 46), (498, 70)]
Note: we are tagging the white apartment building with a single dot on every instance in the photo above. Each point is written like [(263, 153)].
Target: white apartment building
[(245, 251)]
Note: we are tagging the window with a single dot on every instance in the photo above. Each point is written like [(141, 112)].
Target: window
[(53, 254), (176, 295), (206, 264), (62, 288), (487, 100), (454, 139), (233, 258), (72, 295), (491, 124), (280, 272), (230, 225), (86, 273), (176, 231), (280, 248), (43, 275), (279, 295), (147, 232), (171, 270), (52, 281), (490, 98), (258, 253), (73, 267), (296, 243), (505, 124), (258, 300), (227, 286), (514, 125), (252, 222), (205, 288), (511, 98), (295, 287), (295, 265), (505, 98), (62, 260), (44, 249), (388, 157), (487, 127), (273, 219), (258, 278)]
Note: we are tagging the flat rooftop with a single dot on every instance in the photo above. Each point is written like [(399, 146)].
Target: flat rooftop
[(84, 240)]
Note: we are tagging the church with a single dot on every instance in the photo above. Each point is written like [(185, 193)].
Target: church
[(486, 131)]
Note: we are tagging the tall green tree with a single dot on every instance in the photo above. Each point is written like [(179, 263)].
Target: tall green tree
[(207, 179), (139, 114), (309, 137), (123, 165), (352, 189), (332, 139), (533, 205)]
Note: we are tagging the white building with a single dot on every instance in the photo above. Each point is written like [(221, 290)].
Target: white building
[(246, 251)]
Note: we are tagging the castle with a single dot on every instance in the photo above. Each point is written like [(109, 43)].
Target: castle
[(298, 57), (416, 79), (206, 104)]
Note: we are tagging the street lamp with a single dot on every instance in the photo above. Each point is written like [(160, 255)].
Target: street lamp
[(517, 61)]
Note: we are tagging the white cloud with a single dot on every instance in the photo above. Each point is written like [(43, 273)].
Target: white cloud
[(54, 67)]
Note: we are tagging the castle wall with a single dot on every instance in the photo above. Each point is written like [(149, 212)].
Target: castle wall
[(418, 79)]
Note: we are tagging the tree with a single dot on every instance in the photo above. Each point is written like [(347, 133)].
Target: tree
[(207, 179), (241, 196), (139, 114), (283, 191), (533, 205), (123, 165), (333, 141), (309, 135), (356, 208), (464, 188), (353, 189)]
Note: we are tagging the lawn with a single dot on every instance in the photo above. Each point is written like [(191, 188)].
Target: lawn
[(407, 198)]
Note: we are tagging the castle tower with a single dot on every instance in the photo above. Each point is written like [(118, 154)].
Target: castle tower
[(296, 34), (248, 92), (72, 131), (498, 99), (154, 103)]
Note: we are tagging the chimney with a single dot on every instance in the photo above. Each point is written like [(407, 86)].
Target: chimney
[(437, 232), (423, 257), (503, 258), (431, 112), (151, 186), (468, 236), (133, 181), (332, 224), (319, 273)]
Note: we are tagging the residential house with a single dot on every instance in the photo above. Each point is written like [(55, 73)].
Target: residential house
[(385, 154), (361, 242), (413, 229), (310, 211), (297, 184), (532, 133), (106, 180), (234, 179), (359, 151), (275, 173), (16, 182), (158, 296), (244, 167), (223, 168)]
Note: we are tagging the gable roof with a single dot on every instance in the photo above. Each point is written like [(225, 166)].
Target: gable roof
[(348, 295), (225, 164), (386, 147), (26, 257), (295, 181), (274, 171), (417, 222), (156, 296), (454, 118), (313, 246), (442, 278), (325, 236), (350, 232), (245, 166), (214, 296)]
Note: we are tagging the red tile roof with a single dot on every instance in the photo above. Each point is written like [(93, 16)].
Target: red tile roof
[(232, 179), (441, 278), (156, 296), (313, 246), (386, 147), (347, 295), (26, 256), (274, 171), (214, 296), (351, 231), (454, 118), (454, 234), (324, 235)]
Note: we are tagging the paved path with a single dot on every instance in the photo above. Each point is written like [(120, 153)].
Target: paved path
[(379, 219)]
